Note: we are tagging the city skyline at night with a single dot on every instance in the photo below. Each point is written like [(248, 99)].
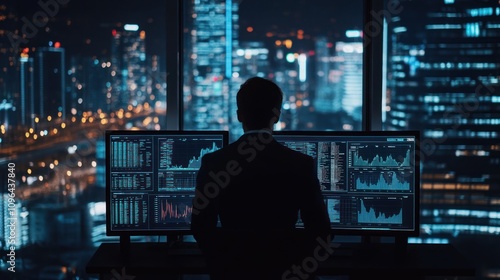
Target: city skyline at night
[(114, 82), (77, 74)]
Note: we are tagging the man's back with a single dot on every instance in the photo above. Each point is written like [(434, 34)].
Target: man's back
[(262, 185)]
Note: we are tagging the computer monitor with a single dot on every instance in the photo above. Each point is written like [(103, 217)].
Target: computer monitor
[(150, 179), (369, 179)]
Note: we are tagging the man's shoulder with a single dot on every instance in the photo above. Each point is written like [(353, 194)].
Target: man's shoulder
[(220, 154), (291, 153)]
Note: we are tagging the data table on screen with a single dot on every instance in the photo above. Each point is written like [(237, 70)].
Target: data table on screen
[(369, 179), (151, 178)]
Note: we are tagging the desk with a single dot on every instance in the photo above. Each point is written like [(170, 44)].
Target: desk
[(152, 259), (419, 261)]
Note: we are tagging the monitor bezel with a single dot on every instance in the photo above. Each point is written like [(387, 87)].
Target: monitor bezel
[(415, 232), (155, 232)]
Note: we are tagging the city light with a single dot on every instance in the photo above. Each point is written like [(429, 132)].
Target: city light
[(399, 29), (131, 27), (431, 82), (302, 67), (72, 149), (353, 33), (300, 34)]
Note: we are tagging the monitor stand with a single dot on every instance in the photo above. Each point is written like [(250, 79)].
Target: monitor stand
[(125, 248), (174, 241), (401, 244), (370, 244)]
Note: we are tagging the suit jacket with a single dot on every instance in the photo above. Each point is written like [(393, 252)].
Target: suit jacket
[(256, 187)]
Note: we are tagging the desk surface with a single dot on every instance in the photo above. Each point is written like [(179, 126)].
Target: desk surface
[(374, 259), (418, 260)]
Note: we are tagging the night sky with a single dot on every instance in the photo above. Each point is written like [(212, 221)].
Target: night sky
[(316, 17), (84, 26)]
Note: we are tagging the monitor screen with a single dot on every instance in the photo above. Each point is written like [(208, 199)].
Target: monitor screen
[(150, 178), (369, 179)]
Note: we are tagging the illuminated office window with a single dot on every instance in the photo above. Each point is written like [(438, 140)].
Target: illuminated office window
[(442, 78), (313, 52)]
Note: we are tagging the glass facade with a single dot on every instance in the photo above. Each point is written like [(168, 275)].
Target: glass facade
[(67, 75), (443, 70)]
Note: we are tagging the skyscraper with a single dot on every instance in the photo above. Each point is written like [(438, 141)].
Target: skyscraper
[(339, 88), (128, 66), (12, 223), (328, 97), (90, 81), (351, 66), (26, 103), (213, 39), (9, 52), (251, 59), (444, 80), (51, 95)]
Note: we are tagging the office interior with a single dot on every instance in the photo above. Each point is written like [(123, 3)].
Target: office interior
[(70, 70)]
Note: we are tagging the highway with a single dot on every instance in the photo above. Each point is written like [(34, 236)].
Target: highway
[(64, 163)]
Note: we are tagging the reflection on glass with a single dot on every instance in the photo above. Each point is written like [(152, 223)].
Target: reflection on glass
[(317, 63)]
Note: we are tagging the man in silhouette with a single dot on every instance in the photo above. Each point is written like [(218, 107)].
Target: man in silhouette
[(257, 187)]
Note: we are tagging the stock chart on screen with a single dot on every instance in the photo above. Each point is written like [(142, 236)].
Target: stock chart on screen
[(151, 177), (369, 179)]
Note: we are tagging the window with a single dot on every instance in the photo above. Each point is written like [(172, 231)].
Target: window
[(71, 69), (441, 77), (318, 63), (68, 71)]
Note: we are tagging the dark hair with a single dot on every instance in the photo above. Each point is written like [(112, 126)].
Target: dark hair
[(259, 102)]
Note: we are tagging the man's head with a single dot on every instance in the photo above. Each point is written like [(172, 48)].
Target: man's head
[(259, 103)]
